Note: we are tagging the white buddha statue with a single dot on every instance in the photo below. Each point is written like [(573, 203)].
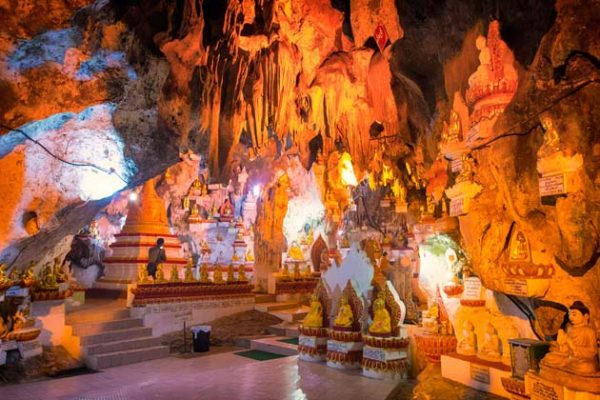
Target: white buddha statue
[(467, 345), (490, 348)]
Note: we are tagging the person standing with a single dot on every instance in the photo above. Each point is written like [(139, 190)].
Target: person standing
[(156, 255)]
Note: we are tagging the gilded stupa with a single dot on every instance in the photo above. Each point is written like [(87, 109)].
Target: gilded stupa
[(146, 222)]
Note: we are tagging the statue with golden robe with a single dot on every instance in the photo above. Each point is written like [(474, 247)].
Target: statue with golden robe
[(382, 322), (314, 318), (345, 316)]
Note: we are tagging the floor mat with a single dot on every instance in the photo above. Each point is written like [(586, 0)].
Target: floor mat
[(259, 355), (293, 340)]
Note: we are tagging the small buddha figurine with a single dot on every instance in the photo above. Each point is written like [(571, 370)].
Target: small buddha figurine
[(467, 170), (345, 317), (218, 275), (230, 274), (174, 274), (490, 349), (467, 345), (249, 256), (345, 242), (226, 209), (295, 253), (28, 276), (142, 275), (4, 280), (310, 237), (314, 318), (576, 348), (307, 274), (454, 128), (188, 275), (382, 323), (242, 273), (520, 249), (186, 202), (551, 144), (48, 278), (297, 275), (194, 216), (285, 273), (160, 274), (58, 271), (204, 273)]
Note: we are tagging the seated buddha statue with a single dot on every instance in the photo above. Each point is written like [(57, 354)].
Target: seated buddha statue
[(218, 275), (4, 280), (58, 271), (345, 317), (310, 237), (160, 274), (226, 210), (314, 318), (28, 276), (204, 273), (242, 274), (467, 345), (575, 349), (382, 323), (142, 274), (194, 214), (48, 280), (297, 275), (490, 348), (249, 256), (285, 273), (295, 253), (174, 277), (230, 274)]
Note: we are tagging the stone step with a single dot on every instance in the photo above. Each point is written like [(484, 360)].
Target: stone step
[(265, 298), (273, 345), (90, 328), (116, 335), (274, 306), (291, 315), (123, 345), (117, 358), (95, 315), (289, 329)]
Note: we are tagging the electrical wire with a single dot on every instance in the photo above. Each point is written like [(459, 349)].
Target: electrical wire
[(74, 164)]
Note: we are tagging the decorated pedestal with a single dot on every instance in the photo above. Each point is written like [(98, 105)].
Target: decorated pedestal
[(560, 385), (385, 352), (434, 345), (187, 291), (312, 343), (345, 345)]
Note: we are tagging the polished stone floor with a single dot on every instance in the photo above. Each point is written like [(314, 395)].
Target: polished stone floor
[(214, 376)]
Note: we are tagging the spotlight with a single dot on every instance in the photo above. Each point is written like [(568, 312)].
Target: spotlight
[(133, 196)]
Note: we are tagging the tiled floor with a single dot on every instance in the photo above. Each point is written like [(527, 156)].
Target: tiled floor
[(219, 376)]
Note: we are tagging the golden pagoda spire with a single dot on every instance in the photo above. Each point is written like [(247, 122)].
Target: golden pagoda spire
[(148, 213)]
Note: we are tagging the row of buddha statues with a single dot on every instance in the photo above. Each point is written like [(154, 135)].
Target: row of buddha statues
[(381, 324), (217, 278), (574, 351), (48, 277)]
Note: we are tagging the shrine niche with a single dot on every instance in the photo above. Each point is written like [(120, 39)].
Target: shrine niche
[(523, 277), (314, 331), (465, 189)]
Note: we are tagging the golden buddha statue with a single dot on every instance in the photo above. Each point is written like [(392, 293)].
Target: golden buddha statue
[(307, 274), (204, 273), (345, 242), (285, 273), (576, 348), (230, 274), (467, 169), (235, 258), (310, 237), (188, 275), (174, 274), (160, 274), (314, 318), (455, 128), (15, 276), (519, 248), (194, 216), (249, 256), (218, 275), (48, 280), (142, 275), (382, 323), (242, 273), (28, 276), (4, 280), (297, 275), (345, 317), (551, 144), (295, 253), (58, 271)]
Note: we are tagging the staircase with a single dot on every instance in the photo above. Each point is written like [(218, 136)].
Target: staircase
[(291, 313), (108, 337)]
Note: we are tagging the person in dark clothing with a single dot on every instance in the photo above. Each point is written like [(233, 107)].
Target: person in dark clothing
[(156, 255)]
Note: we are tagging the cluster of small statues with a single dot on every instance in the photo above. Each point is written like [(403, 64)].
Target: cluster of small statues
[(144, 278), (490, 347), (48, 278)]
